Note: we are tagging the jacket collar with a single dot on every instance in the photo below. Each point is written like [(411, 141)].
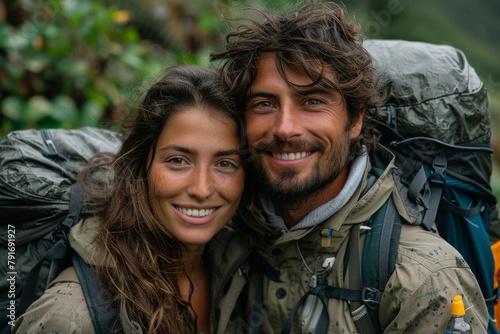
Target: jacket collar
[(376, 186)]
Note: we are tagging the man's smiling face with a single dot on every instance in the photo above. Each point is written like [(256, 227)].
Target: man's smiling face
[(299, 135)]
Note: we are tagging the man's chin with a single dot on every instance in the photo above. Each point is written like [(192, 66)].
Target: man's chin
[(294, 189), (287, 190)]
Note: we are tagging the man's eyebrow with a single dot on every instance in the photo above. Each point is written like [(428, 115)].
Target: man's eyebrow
[(260, 94), (299, 91), (312, 91)]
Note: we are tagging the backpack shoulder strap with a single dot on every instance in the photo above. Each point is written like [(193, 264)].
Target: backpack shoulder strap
[(58, 254), (104, 316), (359, 310), (379, 256)]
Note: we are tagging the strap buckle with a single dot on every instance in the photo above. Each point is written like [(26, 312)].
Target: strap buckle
[(371, 295), (439, 165)]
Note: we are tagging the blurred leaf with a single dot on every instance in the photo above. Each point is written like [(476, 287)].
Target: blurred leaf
[(20, 40), (4, 35), (37, 108), (91, 114), (131, 59), (52, 31), (74, 8), (14, 69), (64, 109), (109, 89), (73, 67), (96, 96), (130, 35), (12, 107), (37, 64)]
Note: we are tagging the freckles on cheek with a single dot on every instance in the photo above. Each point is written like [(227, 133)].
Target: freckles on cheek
[(161, 188), (156, 182)]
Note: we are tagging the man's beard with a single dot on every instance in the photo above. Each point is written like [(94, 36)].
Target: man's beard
[(284, 188)]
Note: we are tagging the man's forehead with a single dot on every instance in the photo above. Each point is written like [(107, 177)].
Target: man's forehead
[(301, 76)]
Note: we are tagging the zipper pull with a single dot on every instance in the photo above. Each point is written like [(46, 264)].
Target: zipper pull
[(313, 282)]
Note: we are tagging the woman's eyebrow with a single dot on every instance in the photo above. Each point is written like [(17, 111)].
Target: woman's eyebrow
[(187, 150), (227, 152), (176, 148)]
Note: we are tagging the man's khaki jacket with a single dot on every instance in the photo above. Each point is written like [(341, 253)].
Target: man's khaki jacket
[(418, 295)]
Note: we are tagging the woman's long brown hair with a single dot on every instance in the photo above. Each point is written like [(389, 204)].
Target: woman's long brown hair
[(137, 260)]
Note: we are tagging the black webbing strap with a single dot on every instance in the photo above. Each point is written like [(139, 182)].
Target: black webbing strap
[(62, 231), (417, 184), (462, 211), (359, 312), (104, 316), (380, 255), (58, 253), (324, 319), (389, 241), (363, 295), (436, 183)]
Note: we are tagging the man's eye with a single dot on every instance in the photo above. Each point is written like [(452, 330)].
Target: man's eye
[(313, 102), (260, 105), (264, 104)]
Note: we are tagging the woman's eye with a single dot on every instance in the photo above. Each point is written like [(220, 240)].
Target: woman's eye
[(177, 161), (227, 164)]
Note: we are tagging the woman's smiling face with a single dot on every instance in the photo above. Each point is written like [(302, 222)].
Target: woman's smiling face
[(196, 177)]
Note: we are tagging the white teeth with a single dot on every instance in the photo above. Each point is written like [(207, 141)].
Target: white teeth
[(195, 212), (290, 156)]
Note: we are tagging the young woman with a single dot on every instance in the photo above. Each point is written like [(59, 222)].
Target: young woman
[(175, 182)]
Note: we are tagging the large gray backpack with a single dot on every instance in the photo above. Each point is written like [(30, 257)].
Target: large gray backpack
[(437, 123), (39, 202)]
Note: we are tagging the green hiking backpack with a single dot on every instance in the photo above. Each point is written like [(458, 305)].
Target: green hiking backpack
[(437, 124), (39, 202)]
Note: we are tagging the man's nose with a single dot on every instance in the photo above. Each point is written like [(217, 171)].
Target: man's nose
[(286, 123)]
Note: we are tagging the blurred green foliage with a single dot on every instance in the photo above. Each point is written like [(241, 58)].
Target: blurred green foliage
[(70, 63), (66, 64)]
